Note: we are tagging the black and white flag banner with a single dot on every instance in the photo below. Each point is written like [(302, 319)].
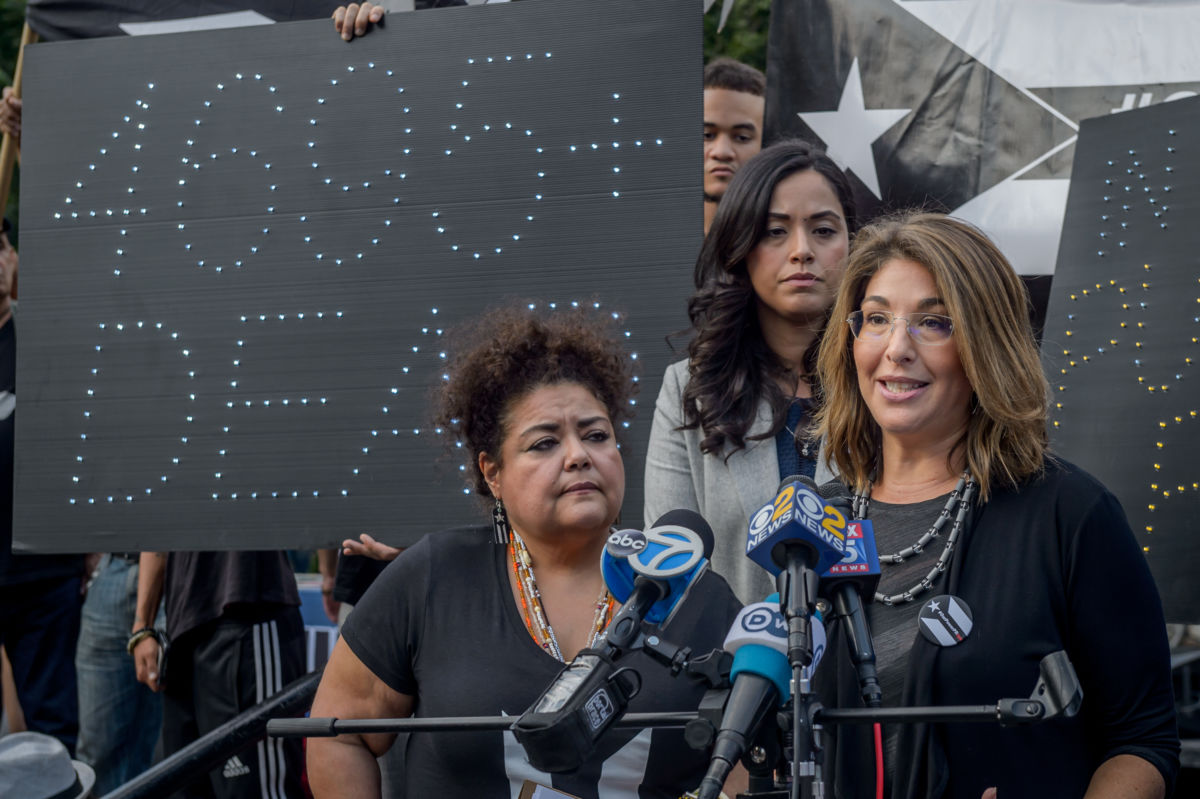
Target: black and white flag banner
[(972, 106)]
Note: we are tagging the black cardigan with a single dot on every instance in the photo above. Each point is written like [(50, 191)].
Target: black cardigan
[(1053, 565)]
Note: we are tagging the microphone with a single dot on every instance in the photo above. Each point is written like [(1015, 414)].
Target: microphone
[(794, 537), (761, 677), (845, 583), (649, 573)]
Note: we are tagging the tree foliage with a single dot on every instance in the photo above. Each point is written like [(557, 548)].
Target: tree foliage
[(745, 33), (12, 22)]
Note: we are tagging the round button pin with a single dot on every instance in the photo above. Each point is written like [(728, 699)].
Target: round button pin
[(945, 620)]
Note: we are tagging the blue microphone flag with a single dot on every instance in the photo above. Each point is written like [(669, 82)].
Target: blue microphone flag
[(798, 514), (672, 552), (861, 558)]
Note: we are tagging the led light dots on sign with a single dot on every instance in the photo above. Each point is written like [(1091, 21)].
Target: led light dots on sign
[(258, 266), (1132, 332), (194, 251), (193, 160), (244, 409)]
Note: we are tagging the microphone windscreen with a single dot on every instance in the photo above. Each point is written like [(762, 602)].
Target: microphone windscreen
[(834, 489), (836, 495), (689, 520), (760, 623), (758, 642), (807, 482)]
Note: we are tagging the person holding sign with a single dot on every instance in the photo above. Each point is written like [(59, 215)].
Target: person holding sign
[(479, 621), (935, 416)]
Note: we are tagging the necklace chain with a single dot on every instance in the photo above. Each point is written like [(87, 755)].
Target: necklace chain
[(960, 500), (534, 613)]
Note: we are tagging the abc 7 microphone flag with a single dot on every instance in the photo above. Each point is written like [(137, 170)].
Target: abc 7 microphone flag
[(660, 552), (672, 552)]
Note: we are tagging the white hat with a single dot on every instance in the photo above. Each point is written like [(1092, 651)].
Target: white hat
[(38, 766)]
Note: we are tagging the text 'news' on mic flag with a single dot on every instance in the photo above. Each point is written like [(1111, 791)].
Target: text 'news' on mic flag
[(797, 515)]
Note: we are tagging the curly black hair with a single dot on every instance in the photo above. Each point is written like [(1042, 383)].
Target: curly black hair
[(512, 351)]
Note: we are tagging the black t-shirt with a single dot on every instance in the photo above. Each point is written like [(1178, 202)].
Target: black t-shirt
[(441, 624), (202, 586), (15, 568)]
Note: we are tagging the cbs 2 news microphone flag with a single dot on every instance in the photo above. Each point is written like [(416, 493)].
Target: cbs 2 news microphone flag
[(972, 106)]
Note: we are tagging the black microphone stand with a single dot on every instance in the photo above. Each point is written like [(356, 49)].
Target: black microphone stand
[(797, 586), (331, 727), (626, 635), (1056, 694)]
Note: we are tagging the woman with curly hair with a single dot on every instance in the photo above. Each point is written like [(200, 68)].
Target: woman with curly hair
[(478, 621), (733, 419)]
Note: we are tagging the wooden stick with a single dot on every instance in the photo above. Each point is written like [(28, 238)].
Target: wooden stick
[(9, 151)]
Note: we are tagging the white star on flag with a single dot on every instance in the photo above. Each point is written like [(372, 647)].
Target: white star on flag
[(850, 131)]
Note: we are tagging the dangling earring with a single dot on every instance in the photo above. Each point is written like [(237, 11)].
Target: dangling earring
[(974, 404), (500, 526)]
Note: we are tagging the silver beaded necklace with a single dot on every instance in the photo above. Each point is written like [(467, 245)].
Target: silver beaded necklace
[(965, 489)]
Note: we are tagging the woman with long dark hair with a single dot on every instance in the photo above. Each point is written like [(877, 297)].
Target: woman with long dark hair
[(733, 418)]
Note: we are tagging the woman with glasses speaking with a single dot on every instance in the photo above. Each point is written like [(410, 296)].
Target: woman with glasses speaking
[(994, 553)]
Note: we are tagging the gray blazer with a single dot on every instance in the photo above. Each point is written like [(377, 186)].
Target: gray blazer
[(725, 493)]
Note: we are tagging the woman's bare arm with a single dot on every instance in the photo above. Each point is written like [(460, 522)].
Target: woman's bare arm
[(345, 767)]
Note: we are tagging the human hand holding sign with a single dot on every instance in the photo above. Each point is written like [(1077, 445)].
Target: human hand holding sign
[(356, 18), (370, 548), (10, 113)]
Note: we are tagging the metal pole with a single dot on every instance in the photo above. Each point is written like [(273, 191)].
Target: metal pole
[(9, 152), (211, 750), (328, 728)]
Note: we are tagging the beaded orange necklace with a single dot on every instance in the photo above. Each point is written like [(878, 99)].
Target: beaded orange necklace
[(531, 602)]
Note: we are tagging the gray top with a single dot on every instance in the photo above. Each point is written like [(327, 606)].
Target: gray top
[(725, 491), (893, 628)]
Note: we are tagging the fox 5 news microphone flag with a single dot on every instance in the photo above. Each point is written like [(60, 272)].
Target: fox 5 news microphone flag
[(972, 106)]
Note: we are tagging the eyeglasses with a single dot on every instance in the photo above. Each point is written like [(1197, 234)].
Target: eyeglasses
[(925, 328)]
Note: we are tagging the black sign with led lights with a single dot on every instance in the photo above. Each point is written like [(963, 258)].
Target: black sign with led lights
[(242, 251), (1122, 338)]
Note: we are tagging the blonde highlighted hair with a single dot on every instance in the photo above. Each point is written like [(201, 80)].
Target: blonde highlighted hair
[(1006, 439)]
